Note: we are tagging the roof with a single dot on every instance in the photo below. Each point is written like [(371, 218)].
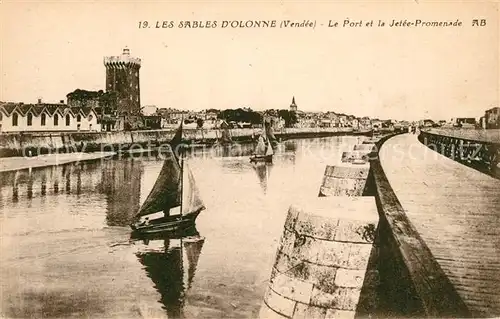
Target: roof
[(85, 94), (37, 109)]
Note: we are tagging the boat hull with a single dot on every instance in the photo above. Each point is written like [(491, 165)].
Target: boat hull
[(260, 159), (170, 224)]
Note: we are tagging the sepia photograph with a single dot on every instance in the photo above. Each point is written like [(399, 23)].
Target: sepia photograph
[(249, 159)]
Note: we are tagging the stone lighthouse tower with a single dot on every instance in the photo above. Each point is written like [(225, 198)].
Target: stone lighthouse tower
[(122, 78)]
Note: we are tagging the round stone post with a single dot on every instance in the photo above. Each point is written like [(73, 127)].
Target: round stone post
[(345, 179), (322, 259)]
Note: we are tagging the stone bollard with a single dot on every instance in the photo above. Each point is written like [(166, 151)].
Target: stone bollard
[(369, 147), (322, 259), (355, 156), (345, 179), (371, 141)]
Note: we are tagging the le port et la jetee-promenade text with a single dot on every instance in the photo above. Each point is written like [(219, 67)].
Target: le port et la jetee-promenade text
[(305, 23)]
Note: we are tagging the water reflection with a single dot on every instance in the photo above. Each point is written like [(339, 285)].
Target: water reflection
[(263, 171), (231, 150), (118, 181), (15, 188), (121, 183), (171, 262)]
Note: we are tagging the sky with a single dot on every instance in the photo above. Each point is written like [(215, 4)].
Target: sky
[(51, 48)]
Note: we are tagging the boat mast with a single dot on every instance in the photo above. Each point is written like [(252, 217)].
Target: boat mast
[(184, 284), (181, 158)]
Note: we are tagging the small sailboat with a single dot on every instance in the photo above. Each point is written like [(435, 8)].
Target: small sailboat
[(263, 151), (174, 194), (225, 138)]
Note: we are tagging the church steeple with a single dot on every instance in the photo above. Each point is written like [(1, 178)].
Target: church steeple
[(293, 106)]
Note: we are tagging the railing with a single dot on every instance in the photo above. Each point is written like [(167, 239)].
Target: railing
[(470, 147)]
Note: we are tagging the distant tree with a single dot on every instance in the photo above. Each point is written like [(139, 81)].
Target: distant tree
[(288, 116), (240, 115), (199, 122), (271, 112)]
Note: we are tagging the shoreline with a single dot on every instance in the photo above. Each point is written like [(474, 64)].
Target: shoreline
[(54, 158), (19, 145), (8, 164)]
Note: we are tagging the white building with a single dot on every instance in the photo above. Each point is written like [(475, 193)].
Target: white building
[(19, 117), (149, 110), (355, 123)]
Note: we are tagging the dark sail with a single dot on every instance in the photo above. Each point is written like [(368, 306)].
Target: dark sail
[(270, 134), (166, 192), (176, 141), (169, 190), (225, 134)]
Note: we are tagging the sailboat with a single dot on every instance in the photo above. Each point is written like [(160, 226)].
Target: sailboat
[(225, 138), (263, 150), (174, 191)]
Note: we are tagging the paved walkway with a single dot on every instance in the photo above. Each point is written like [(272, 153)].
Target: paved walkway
[(456, 210), (17, 163)]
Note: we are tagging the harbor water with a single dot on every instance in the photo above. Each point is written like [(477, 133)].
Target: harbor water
[(66, 251)]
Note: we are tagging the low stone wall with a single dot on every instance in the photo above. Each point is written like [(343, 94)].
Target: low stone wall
[(355, 156), (21, 144), (365, 147), (345, 180)]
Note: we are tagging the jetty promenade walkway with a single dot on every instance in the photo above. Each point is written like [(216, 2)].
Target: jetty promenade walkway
[(456, 211)]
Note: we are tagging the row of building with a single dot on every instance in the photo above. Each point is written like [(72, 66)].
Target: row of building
[(117, 108), (304, 119), (15, 117), (491, 118)]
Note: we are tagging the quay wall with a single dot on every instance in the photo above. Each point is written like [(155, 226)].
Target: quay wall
[(412, 284), (35, 143)]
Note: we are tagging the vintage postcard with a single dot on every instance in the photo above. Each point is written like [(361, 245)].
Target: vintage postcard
[(250, 159)]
